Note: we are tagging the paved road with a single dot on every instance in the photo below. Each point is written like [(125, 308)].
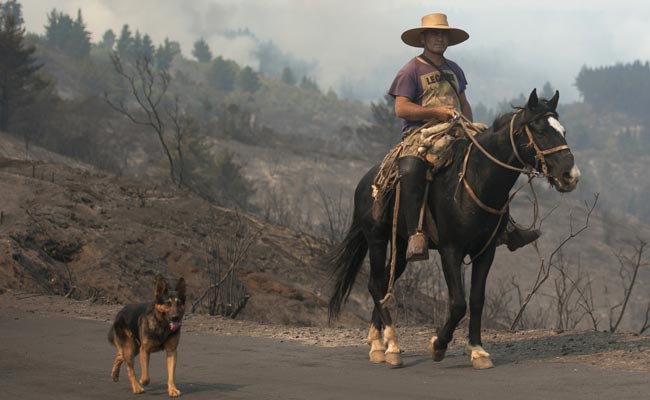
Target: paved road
[(51, 357)]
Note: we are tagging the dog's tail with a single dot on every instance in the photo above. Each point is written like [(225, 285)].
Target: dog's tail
[(117, 329)]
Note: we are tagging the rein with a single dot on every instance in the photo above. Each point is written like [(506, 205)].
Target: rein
[(527, 169)]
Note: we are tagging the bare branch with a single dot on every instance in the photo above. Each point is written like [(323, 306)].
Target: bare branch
[(545, 269), (144, 84), (646, 321), (628, 279)]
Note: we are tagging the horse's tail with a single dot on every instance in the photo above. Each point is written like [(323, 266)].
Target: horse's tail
[(346, 260)]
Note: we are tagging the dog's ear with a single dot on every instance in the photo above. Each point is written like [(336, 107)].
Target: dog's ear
[(161, 286), (180, 287)]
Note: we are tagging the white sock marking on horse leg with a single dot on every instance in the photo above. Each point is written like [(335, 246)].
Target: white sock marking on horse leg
[(390, 340), (476, 352)]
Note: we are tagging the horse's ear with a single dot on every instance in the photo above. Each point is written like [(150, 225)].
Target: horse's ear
[(533, 100), (553, 102)]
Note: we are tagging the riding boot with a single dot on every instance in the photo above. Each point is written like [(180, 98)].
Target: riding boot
[(514, 237), (412, 176)]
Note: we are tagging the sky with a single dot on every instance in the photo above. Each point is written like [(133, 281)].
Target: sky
[(513, 46)]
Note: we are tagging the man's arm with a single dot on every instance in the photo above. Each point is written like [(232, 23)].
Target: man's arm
[(406, 109), (465, 108)]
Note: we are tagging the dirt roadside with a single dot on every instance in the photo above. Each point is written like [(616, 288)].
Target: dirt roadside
[(601, 349)]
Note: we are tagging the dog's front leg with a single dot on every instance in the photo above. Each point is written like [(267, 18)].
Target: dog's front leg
[(144, 364), (171, 369)]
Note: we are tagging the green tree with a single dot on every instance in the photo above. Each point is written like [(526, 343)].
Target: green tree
[(288, 76), (223, 73), (147, 49), (124, 43), (20, 81), (14, 9), (202, 51), (68, 35), (483, 114), (108, 40), (308, 83), (385, 129), (547, 91), (621, 87), (247, 80), (165, 54), (218, 177)]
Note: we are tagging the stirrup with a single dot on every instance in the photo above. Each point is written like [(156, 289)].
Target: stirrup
[(418, 247)]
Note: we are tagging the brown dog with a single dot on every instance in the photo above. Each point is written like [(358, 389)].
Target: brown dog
[(146, 328)]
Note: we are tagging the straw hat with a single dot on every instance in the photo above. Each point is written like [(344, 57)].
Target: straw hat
[(434, 21)]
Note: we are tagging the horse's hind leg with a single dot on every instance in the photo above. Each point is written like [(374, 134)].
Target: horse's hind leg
[(378, 286), (377, 347)]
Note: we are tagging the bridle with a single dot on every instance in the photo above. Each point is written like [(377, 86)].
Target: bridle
[(539, 153), (529, 170)]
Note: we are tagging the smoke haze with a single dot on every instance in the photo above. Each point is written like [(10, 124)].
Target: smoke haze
[(356, 47)]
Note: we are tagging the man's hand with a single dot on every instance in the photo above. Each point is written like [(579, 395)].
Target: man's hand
[(444, 113)]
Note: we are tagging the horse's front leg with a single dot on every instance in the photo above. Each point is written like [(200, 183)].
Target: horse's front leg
[(451, 259), (480, 268)]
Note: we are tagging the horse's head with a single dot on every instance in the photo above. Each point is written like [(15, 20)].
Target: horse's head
[(542, 142)]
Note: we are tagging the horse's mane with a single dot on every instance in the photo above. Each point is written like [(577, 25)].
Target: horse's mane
[(502, 120), (459, 146)]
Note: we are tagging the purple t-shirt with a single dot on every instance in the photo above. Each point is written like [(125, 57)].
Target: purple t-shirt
[(409, 83)]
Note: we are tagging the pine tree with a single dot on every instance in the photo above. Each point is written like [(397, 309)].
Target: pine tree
[(68, 35), (165, 54), (80, 47), (108, 40), (14, 9), (309, 84), (19, 79), (124, 43), (288, 76), (247, 80), (147, 49), (202, 51), (547, 91), (223, 73)]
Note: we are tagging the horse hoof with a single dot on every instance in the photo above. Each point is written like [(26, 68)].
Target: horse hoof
[(479, 357), (437, 353), (377, 356), (482, 363), (393, 359)]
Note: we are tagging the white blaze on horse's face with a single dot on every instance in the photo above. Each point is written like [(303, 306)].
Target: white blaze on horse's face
[(557, 126), (574, 175)]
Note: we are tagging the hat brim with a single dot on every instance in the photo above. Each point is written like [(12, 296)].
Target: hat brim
[(412, 36)]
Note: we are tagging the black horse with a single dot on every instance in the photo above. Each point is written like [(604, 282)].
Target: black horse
[(529, 138)]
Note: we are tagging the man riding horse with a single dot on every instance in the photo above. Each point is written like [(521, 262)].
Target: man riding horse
[(431, 88), (471, 172)]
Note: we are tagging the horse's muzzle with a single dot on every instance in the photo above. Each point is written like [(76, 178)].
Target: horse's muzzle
[(568, 181)]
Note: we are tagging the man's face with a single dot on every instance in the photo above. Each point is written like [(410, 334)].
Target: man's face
[(435, 40)]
